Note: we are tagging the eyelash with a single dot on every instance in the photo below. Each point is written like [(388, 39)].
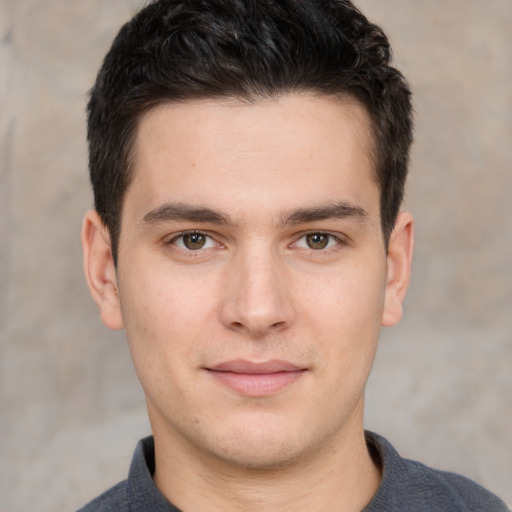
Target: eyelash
[(329, 245), (338, 241), (183, 234)]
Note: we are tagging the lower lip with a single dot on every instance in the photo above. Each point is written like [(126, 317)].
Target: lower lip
[(256, 384)]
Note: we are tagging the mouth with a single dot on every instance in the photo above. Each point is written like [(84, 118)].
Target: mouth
[(256, 379)]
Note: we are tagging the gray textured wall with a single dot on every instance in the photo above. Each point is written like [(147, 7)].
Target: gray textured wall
[(71, 409)]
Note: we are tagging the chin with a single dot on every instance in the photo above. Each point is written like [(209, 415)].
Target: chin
[(262, 457), (263, 449)]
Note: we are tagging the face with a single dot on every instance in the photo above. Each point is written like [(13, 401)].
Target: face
[(253, 276)]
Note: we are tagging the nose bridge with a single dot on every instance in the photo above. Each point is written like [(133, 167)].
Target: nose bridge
[(257, 298)]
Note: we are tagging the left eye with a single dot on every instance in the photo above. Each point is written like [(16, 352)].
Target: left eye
[(317, 241), (193, 241)]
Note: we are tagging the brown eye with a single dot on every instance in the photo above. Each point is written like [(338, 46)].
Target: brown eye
[(194, 241), (317, 240)]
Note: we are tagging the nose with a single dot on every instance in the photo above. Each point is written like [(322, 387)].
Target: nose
[(257, 295)]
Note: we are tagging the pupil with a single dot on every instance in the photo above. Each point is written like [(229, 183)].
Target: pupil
[(194, 241), (317, 241)]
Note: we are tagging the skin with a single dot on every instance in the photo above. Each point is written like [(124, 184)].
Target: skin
[(286, 262)]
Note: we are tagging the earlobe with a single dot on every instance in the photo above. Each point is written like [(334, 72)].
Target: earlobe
[(99, 269), (399, 260)]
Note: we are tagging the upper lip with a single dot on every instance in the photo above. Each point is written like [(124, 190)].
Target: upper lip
[(250, 367)]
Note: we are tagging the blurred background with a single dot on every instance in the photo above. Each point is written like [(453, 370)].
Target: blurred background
[(71, 409)]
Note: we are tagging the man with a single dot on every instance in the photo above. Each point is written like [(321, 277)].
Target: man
[(248, 160)]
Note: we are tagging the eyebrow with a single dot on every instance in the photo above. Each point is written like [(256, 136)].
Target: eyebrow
[(336, 210), (169, 212), (184, 212)]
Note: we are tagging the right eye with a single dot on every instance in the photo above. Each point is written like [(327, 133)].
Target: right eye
[(193, 241)]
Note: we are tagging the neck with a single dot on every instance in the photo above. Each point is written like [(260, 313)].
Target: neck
[(342, 477)]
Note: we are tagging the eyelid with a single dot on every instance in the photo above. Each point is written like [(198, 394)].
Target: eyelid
[(177, 236), (338, 238)]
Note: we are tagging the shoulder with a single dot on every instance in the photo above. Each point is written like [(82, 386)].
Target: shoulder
[(138, 492), (448, 490), (413, 486), (112, 500)]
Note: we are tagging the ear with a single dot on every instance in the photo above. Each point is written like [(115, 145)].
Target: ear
[(399, 259), (100, 271)]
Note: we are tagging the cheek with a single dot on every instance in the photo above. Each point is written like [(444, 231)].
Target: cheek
[(159, 299), (352, 298), (164, 315), (159, 340), (344, 318)]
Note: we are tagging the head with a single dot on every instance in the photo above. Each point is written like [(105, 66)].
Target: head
[(248, 161), (177, 50)]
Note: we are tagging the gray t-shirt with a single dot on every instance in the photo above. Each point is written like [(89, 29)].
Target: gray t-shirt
[(407, 486)]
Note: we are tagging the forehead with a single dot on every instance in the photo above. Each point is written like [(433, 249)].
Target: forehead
[(335, 113), (287, 149)]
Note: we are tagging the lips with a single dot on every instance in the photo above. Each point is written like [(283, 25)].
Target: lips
[(256, 379)]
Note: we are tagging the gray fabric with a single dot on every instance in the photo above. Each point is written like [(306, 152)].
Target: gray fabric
[(407, 486)]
